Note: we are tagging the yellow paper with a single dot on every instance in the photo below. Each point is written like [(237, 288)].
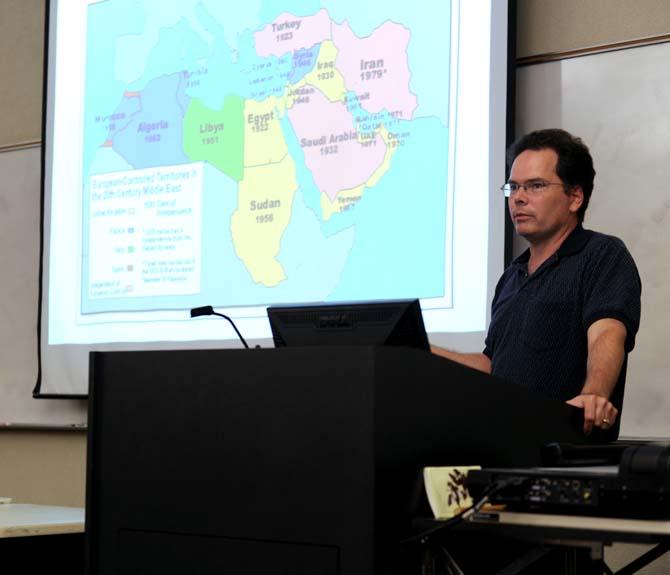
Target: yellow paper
[(446, 491)]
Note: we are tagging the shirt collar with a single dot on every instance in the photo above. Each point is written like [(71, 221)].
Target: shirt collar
[(574, 243)]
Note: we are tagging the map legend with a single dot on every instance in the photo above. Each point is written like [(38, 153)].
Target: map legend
[(145, 232)]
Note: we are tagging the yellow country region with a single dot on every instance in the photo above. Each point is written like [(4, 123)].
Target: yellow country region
[(346, 199), (264, 208), (386, 164), (263, 138), (323, 76)]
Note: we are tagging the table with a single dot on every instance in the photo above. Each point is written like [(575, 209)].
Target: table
[(42, 538), (23, 520), (577, 540)]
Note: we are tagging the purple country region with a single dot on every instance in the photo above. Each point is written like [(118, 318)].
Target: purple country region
[(154, 135), (336, 157), (376, 68), (290, 33), (303, 63)]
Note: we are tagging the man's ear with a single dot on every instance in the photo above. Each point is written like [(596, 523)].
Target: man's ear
[(576, 198)]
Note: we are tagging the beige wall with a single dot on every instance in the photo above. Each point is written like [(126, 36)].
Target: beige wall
[(550, 26), (45, 467), (49, 467), (21, 56)]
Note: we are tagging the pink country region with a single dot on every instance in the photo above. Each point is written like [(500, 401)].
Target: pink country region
[(288, 33), (348, 165), (383, 56)]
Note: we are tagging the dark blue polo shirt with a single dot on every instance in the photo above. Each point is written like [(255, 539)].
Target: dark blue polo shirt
[(537, 336)]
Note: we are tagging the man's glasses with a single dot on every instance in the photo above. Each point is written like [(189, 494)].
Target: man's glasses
[(534, 188)]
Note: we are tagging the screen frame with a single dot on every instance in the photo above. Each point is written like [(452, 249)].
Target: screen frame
[(360, 323), (499, 256)]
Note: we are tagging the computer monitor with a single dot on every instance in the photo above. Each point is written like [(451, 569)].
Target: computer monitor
[(398, 323)]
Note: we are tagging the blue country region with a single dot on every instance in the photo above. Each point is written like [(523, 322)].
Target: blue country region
[(121, 117), (154, 136), (302, 63)]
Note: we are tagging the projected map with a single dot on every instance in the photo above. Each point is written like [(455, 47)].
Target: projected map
[(287, 151)]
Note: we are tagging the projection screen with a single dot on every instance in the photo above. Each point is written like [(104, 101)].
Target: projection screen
[(274, 151)]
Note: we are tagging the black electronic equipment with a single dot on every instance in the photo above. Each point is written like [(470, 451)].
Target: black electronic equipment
[(575, 455), (646, 467), (397, 323), (638, 487)]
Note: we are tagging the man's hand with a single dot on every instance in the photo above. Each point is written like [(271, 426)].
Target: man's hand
[(606, 338), (598, 411)]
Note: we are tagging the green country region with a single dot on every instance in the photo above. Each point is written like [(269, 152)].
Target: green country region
[(216, 136)]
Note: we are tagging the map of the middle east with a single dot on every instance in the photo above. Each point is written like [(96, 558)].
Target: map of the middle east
[(286, 153)]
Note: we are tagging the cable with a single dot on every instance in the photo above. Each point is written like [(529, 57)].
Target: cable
[(209, 310), (463, 515)]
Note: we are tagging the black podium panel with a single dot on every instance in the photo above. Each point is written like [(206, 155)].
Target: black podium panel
[(305, 459)]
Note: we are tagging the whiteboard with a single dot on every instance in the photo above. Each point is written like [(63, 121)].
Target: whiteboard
[(619, 103), (20, 175)]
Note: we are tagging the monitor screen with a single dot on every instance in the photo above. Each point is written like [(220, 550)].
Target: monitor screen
[(397, 323)]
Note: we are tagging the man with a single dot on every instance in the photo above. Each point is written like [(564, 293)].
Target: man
[(565, 313)]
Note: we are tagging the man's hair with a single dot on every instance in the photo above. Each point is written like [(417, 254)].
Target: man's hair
[(574, 165)]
